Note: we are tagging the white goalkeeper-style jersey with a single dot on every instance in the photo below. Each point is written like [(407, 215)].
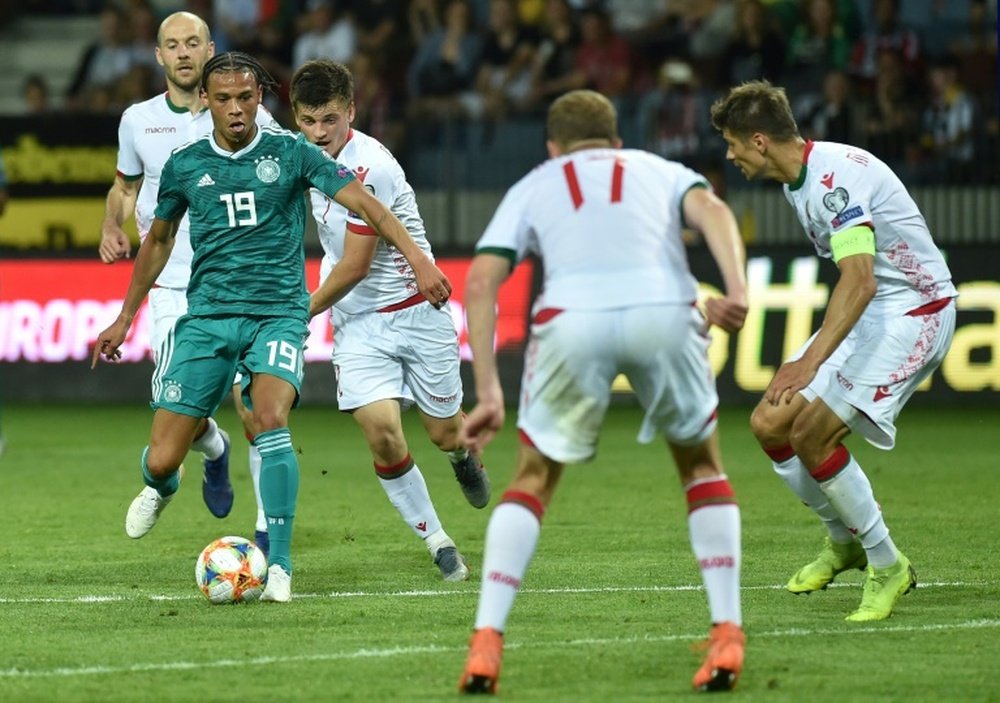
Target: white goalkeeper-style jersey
[(607, 225), (148, 132), (841, 187), (390, 279)]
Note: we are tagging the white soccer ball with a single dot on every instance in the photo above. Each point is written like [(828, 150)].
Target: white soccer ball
[(231, 570)]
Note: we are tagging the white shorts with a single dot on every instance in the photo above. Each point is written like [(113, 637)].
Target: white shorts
[(410, 355), (870, 376), (166, 306), (573, 358)]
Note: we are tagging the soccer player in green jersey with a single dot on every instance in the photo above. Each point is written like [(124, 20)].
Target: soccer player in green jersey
[(243, 187)]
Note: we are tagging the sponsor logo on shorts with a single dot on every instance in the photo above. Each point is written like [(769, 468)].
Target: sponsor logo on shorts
[(881, 392), (172, 392), (844, 382), (444, 398)]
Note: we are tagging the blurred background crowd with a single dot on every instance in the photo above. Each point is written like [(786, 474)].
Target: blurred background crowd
[(914, 82)]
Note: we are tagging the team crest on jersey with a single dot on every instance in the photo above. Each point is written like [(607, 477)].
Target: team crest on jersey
[(836, 200), (172, 392), (268, 169)]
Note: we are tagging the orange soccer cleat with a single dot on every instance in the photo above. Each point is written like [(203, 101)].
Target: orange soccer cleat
[(724, 660), (482, 667)]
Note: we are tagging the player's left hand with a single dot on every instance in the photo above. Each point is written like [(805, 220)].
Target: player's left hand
[(791, 378), (432, 282)]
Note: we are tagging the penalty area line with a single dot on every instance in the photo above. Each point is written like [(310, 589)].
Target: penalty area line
[(385, 653)]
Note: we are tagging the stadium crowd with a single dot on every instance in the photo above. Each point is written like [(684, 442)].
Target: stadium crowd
[(915, 82)]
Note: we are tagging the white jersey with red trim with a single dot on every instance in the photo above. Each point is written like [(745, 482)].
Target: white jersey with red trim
[(842, 187), (390, 279), (148, 132), (606, 224)]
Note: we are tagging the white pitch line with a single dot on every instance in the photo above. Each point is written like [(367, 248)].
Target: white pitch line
[(369, 653), (431, 593)]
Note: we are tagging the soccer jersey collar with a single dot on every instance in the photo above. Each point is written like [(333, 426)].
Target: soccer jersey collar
[(180, 109), (805, 161)]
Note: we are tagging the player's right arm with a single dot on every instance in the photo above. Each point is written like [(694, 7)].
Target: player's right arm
[(152, 257), (120, 205), (712, 217)]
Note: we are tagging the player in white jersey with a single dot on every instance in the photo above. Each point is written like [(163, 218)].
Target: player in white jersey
[(391, 349), (147, 133), (618, 298), (888, 325)]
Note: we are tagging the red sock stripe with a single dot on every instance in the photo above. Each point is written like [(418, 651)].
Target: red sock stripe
[(780, 454), (248, 436), (717, 492), (396, 470), (525, 500), (832, 465), (525, 439)]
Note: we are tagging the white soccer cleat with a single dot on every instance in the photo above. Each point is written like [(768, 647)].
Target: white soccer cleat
[(279, 585), (144, 512)]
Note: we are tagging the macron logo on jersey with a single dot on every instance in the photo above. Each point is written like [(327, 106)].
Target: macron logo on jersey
[(205, 180), (361, 172)]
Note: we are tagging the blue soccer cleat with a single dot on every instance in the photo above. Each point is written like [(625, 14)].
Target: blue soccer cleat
[(216, 489)]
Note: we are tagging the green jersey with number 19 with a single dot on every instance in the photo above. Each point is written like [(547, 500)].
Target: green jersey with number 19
[(247, 212)]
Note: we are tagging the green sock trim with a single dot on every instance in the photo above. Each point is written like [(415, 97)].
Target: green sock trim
[(164, 486)]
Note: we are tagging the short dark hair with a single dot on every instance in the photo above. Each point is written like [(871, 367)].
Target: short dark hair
[(235, 62), (320, 81), (755, 106)]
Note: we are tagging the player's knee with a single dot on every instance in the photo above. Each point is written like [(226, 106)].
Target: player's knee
[(767, 427), (161, 461), (265, 420)]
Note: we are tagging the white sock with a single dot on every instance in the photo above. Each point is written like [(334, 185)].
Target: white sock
[(851, 495), (408, 493), (210, 443), (714, 528), (795, 474), (254, 459), (511, 537)]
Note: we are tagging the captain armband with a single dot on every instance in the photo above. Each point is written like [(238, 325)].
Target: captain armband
[(855, 240)]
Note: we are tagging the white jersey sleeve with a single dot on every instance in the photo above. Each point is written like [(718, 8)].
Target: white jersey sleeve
[(129, 164), (607, 225), (390, 279), (844, 187)]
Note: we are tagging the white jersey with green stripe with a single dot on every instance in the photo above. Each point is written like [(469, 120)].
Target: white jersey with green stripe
[(841, 187), (247, 213), (607, 225), (390, 278), (147, 133)]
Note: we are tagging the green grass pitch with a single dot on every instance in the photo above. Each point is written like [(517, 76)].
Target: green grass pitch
[(608, 612)]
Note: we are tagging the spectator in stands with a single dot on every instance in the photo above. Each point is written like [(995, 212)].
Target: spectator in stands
[(234, 23), (35, 91), (976, 51), (503, 81), (757, 49), (444, 66), (103, 62), (554, 62), (377, 107), (836, 117), (817, 45), (329, 33), (892, 113), (886, 33), (948, 126), (141, 17), (382, 30), (424, 17), (604, 60), (672, 117)]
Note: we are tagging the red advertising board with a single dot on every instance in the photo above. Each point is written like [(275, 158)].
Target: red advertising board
[(51, 310)]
